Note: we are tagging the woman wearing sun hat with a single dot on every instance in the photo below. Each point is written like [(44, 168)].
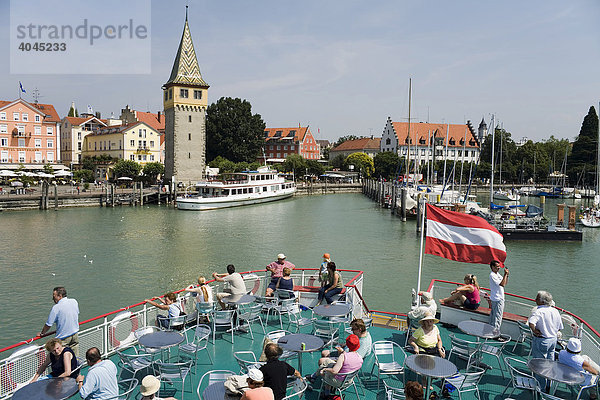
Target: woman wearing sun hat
[(256, 387), (427, 338), (149, 388), (347, 362)]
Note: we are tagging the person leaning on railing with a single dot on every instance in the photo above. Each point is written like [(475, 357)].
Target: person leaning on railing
[(65, 313)]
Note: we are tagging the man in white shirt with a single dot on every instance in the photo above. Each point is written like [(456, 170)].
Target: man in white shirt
[(497, 284), (65, 313), (235, 282), (101, 380), (544, 322)]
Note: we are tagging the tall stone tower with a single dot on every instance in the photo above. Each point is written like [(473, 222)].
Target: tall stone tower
[(185, 100), (482, 131)]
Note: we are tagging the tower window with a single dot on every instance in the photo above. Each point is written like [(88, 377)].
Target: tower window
[(166, 95), (189, 118), (170, 94), (189, 136), (189, 155), (197, 94), (183, 93)]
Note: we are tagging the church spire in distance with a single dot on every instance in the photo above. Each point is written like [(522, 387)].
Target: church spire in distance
[(186, 70)]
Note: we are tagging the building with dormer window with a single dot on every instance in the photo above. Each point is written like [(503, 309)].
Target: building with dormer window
[(281, 142), (29, 134), (427, 141)]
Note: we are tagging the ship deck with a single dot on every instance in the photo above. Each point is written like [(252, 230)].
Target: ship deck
[(385, 328)]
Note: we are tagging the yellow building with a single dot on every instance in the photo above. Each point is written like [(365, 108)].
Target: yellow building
[(136, 142)]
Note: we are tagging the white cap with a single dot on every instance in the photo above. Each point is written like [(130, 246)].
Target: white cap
[(574, 345), (255, 374), (281, 256)]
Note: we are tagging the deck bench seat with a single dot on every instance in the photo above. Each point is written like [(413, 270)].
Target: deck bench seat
[(311, 289), (486, 311)]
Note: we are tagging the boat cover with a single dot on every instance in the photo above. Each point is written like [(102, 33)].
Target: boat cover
[(534, 211)]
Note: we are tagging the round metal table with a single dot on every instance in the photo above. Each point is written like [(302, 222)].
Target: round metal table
[(555, 371), (161, 339), (479, 329), (216, 391), (48, 389), (332, 310), (239, 299), (430, 367), (293, 342)]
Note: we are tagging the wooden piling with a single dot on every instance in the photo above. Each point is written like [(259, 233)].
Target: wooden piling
[(403, 204)]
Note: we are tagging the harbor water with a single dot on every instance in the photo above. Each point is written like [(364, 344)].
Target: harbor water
[(108, 258)]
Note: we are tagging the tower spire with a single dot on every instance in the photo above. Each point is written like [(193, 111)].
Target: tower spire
[(185, 68)]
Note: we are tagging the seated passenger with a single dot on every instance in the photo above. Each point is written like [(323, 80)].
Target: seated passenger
[(466, 295), (169, 302), (347, 362), (256, 387), (276, 372), (427, 338), (329, 358), (203, 292), (333, 286), (573, 358), (413, 391), (149, 388), (286, 282), (61, 359), (427, 306), (234, 281)]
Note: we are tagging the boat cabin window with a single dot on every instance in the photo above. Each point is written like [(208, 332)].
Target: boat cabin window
[(264, 188), (245, 190), (225, 192)]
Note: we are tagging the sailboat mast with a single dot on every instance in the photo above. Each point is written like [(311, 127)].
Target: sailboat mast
[(492, 177), (598, 157), (408, 144), (462, 161)]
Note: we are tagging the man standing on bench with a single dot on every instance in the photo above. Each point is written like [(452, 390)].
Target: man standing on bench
[(497, 284)]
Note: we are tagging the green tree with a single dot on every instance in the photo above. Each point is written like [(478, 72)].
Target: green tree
[(344, 139), (584, 152), (71, 112), (294, 163), (232, 131), (314, 167), (152, 170), (338, 161), (127, 168), (83, 175), (362, 163), (88, 163), (386, 164), (48, 169)]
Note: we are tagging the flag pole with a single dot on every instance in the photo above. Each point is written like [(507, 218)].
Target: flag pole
[(422, 201)]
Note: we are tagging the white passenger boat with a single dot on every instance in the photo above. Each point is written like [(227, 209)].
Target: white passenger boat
[(506, 196), (237, 189)]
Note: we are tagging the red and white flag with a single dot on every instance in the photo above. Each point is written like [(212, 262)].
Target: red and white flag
[(462, 237)]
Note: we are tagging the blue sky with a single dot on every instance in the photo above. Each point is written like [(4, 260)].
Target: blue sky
[(343, 67)]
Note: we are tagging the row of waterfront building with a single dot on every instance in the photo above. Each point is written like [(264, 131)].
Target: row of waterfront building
[(33, 134)]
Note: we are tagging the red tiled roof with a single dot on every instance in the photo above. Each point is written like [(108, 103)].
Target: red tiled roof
[(420, 132), (106, 130), (151, 119), (359, 144), (76, 121), (47, 109), (299, 133)]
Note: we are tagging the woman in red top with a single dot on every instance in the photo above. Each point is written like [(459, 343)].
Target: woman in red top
[(466, 295)]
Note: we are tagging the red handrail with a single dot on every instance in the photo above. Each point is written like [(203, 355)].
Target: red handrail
[(28, 341)]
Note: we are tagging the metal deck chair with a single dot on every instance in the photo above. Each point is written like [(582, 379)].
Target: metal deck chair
[(326, 330), (520, 376), (129, 386), (524, 336), (393, 393), (246, 360), (274, 336), (295, 317), (298, 390), (250, 315), (174, 372), (222, 318), (495, 349), (198, 343), (340, 386), (466, 349), (214, 376), (135, 362), (466, 381), (389, 359)]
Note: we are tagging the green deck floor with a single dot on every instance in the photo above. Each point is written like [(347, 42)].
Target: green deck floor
[(491, 385)]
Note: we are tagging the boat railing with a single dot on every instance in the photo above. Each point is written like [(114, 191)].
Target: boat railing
[(111, 331), (523, 306)]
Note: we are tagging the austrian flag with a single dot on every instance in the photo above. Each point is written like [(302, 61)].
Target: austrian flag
[(462, 237)]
